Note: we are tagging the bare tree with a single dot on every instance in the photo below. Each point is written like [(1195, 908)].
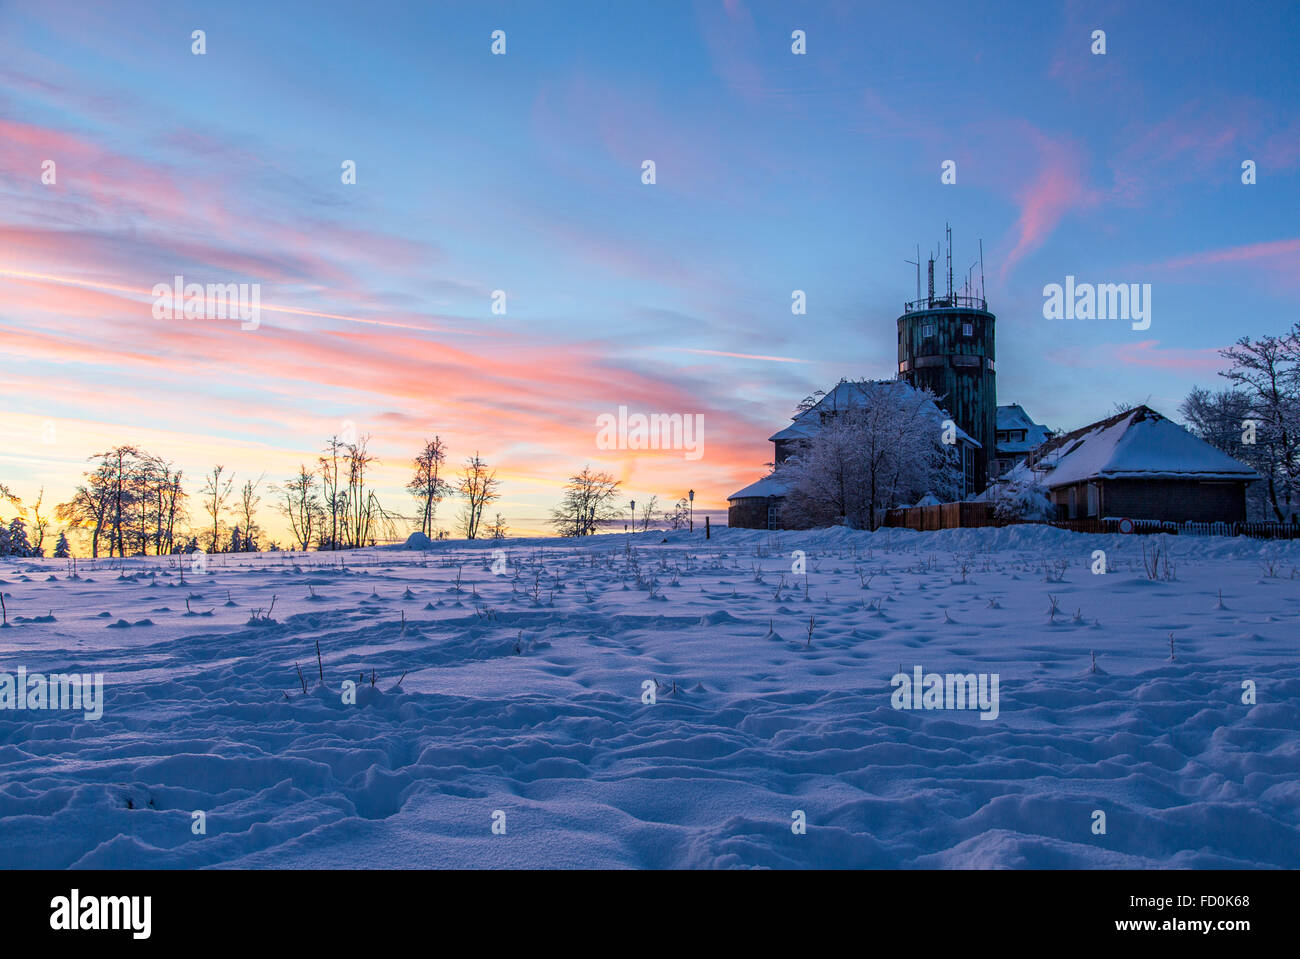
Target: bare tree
[(89, 507), (498, 529), (331, 490), (588, 501), (301, 506), (39, 524), (359, 507), (215, 493), (427, 485), (479, 486), (647, 512), (248, 501), (679, 518), (7, 494)]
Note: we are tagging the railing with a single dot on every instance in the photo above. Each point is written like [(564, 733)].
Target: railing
[(975, 515), (947, 302)]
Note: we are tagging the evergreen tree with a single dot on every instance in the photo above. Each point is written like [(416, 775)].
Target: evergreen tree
[(61, 549), (17, 539)]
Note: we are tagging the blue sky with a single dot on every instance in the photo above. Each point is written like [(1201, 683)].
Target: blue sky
[(522, 173)]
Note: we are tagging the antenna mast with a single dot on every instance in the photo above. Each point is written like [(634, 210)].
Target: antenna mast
[(917, 263), (982, 296), (948, 230)]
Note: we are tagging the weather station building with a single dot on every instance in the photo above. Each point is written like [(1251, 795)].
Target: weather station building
[(946, 345)]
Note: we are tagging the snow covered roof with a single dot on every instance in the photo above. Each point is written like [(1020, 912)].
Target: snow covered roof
[(768, 486), (1136, 444), (846, 395), (1014, 417)]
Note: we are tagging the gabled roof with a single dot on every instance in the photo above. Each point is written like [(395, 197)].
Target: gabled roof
[(768, 486), (1014, 417), (846, 395), (1135, 444)]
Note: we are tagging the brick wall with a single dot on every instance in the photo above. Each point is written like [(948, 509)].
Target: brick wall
[(748, 513)]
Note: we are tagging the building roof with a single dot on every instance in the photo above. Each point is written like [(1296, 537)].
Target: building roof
[(1014, 417), (768, 486), (1135, 444), (846, 395)]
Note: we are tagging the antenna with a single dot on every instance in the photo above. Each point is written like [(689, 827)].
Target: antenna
[(917, 264), (948, 230), (982, 296)]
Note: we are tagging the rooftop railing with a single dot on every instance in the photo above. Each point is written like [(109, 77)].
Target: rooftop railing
[(947, 302)]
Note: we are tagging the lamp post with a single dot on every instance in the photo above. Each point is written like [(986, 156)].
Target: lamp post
[(633, 502), (690, 495)]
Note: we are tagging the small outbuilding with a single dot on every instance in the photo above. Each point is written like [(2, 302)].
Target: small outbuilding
[(1139, 465)]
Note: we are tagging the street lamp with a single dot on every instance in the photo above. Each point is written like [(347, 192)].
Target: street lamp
[(633, 515), (690, 494)]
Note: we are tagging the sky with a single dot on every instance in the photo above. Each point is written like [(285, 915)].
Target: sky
[(522, 173)]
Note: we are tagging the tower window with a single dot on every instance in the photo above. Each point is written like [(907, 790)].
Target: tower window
[(927, 330), (968, 329)]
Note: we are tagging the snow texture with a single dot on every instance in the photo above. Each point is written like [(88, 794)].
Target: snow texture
[(522, 693)]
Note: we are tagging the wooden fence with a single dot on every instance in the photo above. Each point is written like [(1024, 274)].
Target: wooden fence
[(971, 515)]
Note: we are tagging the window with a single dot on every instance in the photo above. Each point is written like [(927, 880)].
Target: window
[(968, 329), (927, 330), (773, 517), (904, 366)]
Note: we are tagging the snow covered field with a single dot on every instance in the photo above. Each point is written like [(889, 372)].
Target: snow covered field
[(523, 695)]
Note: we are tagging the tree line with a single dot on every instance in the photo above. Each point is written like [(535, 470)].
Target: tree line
[(131, 503)]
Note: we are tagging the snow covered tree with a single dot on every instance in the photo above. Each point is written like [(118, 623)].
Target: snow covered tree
[(1219, 418), (884, 450), (16, 539), (1266, 372), (1020, 498), (61, 548)]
